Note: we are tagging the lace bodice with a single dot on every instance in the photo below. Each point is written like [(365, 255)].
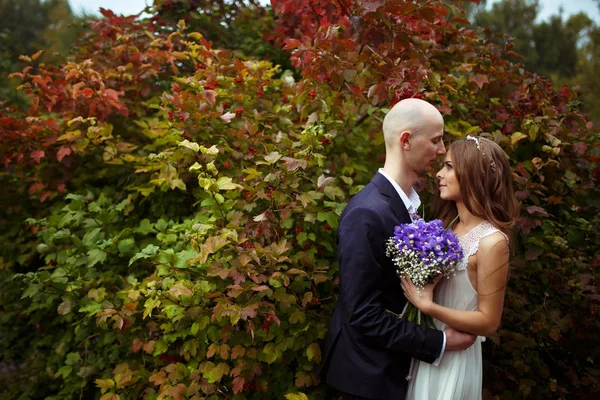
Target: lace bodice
[(470, 241)]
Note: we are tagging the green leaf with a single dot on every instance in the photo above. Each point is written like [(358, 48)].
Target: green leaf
[(270, 353), (91, 238), (31, 290), (200, 325), (64, 371), (149, 305), (161, 225), (215, 374), (297, 316), (160, 347), (313, 352), (95, 256), (148, 252), (331, 218), (145, 227), (72, 358), (91, 308), (126, 246)]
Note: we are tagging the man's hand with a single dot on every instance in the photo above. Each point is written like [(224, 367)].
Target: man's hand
[(458, 340)]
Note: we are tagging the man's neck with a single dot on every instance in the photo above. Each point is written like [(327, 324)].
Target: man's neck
[(404, 180)]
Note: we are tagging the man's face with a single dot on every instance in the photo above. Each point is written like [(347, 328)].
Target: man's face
[(426, 147)]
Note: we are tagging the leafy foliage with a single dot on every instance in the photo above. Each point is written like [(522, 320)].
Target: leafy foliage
[(172, 208)]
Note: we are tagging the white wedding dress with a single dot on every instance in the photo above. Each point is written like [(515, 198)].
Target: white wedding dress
[(459, 373)]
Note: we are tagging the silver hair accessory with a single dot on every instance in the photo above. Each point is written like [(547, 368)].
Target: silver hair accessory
[(477, 143)]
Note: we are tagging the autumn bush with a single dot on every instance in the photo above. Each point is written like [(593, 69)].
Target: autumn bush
[(171, 208)]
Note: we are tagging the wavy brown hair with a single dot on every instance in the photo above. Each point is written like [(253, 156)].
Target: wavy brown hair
[(485, 182)]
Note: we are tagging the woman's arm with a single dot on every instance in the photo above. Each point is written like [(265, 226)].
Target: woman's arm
[(492, 276)]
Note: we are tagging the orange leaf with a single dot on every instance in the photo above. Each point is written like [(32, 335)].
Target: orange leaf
[(149, 346), (237, 351), (36, 55), (212, 350)]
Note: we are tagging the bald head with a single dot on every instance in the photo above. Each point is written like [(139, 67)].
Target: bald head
[(412, 115)]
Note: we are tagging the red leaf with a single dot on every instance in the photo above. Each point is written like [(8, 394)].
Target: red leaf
[(210, 96), (62, 153), (112, 94), (291, 44), (107, 13), (87, 92), (444, 110), (36, 187), (479, 79), (372, 5), (238, 384), (248, 312), (580, 147), (136, 345), (537, 210), (38, 155), (260, 288), (461, 20), (45, 195)]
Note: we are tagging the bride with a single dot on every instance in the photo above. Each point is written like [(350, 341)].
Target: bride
[(475, 186)]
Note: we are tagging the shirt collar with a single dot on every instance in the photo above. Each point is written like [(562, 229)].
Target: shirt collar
[(411, 202)]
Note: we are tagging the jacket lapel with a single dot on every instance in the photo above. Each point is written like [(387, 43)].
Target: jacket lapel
[(395, 202)]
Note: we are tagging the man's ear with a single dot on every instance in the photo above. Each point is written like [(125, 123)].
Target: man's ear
[(405, 140)]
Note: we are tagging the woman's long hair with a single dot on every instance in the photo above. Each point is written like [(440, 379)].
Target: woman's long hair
[(486, 185)]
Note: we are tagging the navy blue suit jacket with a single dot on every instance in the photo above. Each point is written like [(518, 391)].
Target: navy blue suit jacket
[(367, 350)]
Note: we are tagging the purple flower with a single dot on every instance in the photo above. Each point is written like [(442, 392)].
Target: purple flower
[(423, 250)]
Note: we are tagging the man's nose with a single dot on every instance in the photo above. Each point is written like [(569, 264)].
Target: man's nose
[(442, 149)]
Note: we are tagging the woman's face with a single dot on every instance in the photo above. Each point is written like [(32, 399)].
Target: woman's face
[(448, 185)]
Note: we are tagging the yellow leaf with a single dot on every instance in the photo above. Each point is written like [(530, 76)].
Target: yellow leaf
[(296, 396), (226, 183), (110, 396), (190, 145), (517, 136), (70, 136)]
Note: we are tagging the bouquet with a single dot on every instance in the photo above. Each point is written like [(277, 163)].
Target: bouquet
[(423, 250)]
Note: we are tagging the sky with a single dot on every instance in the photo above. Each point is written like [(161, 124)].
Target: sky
[(128, 7)]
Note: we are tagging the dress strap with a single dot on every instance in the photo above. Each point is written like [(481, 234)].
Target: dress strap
[(470, 241)]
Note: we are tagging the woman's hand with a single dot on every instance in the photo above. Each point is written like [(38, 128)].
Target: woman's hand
[(420, 298)]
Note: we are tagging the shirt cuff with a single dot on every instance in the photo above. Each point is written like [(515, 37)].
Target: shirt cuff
[(437, 360)]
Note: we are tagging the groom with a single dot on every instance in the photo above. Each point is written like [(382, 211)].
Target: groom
[(367, 351)]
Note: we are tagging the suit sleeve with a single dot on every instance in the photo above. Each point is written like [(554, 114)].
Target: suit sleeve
[(361, 244)]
